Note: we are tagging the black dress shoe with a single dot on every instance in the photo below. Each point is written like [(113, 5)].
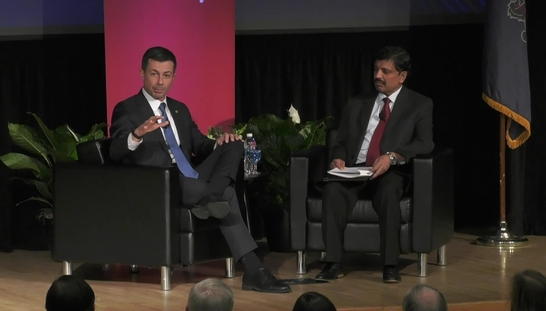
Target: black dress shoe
[(211, 206), (391, 275), (263, 281), (331, 271)]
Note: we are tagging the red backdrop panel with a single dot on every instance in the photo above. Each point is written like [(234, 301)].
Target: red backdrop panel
[(202, 37)]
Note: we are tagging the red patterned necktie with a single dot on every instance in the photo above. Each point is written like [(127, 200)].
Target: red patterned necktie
[(374, 151)]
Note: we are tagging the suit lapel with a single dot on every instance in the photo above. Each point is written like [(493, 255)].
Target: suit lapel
[(146, 112), (398, 111), (363, 118)]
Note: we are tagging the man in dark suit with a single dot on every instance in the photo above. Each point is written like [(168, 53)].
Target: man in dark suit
[(152, 129), (383, 131)]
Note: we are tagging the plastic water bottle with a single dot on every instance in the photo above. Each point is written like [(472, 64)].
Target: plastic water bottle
[(250, 146)]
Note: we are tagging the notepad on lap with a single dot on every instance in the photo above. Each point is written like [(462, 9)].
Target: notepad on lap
[(351, 172)]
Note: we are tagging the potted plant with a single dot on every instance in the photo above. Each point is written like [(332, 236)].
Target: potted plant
[(44, 147), (278, 139)]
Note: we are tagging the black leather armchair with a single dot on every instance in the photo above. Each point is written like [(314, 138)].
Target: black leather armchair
[(426, 208), (109, 213)]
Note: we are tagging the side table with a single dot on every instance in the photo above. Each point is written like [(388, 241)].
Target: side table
[(248, 177)]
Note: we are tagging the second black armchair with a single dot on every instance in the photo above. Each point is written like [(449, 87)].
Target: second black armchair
[(426, 208)]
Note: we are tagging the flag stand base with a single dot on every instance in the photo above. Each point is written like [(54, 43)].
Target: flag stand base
[(502, 238)]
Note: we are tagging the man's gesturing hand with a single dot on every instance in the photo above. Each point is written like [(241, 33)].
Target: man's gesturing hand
[(149, 125)]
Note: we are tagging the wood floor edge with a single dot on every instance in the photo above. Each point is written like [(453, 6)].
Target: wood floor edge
[(499, 305)]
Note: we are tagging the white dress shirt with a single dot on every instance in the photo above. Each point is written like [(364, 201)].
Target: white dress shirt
[(154, 104), (374, 121)]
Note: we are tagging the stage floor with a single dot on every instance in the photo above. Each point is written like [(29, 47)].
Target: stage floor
[(472, 274)]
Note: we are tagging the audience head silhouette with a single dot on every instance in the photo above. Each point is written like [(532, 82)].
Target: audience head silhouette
[(70, 293), (424, 298), (528, 291), (210, 295), (313, 301)]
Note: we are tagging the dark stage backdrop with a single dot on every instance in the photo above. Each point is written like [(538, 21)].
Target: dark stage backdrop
[(530, 165), (62, 79), (317, 73)]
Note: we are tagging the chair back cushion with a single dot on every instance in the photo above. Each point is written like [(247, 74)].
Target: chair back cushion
[(363, 213)]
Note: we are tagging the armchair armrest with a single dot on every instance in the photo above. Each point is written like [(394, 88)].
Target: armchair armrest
[(306, 167), (116, 214), (433, 219), (96, 151)]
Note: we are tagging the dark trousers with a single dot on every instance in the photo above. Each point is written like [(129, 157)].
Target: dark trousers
[(339, 200), (217, 175)]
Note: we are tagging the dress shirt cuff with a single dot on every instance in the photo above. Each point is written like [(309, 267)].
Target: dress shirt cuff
[(131, 144)]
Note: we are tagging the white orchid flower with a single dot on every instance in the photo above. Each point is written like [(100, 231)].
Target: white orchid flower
[(293, 113)]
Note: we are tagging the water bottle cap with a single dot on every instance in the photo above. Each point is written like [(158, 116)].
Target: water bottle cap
[(248, 134)]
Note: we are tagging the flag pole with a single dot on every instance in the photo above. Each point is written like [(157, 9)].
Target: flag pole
[(502, 238)]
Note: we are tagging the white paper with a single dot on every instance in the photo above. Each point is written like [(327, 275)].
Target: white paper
[(351, 172)]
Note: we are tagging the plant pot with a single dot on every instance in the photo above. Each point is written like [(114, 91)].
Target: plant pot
[(277, 229)]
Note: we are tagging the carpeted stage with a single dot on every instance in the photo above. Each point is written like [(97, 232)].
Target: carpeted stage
[(475, 278)]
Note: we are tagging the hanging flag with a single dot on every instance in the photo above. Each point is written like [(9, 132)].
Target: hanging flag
[(506, 71)]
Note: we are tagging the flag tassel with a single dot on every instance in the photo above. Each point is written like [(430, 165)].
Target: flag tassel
[(513, 116)]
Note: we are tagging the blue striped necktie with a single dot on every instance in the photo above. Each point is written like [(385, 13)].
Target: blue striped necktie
[(181, 160)]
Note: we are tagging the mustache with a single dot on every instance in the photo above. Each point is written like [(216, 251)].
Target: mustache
[(379, 80)]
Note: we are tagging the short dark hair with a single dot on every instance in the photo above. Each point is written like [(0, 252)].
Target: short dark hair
[(313, 301), (70, 292), (398, 55), (528, 291), (159, 54), (418, 300)]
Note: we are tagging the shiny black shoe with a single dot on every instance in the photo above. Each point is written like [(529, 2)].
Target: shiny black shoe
[(263, 281), (331, 271), (391, 275), (211, 206)]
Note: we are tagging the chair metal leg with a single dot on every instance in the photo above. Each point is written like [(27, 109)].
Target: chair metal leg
[(165, 278), (230, 268), (67, 268), (322, 256), (300, 268), (441, 255), (422, 265)]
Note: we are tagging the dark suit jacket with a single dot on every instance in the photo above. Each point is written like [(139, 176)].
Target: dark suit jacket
[(153, 151), (408, 131)]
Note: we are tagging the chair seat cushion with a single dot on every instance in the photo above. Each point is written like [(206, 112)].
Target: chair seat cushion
[(363, 212)]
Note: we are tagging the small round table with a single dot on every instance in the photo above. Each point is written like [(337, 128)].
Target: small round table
[(247, 178)]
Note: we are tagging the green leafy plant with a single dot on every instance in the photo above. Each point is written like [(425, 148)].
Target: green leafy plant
[(278, 139), (44, 147), (217, 131)]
